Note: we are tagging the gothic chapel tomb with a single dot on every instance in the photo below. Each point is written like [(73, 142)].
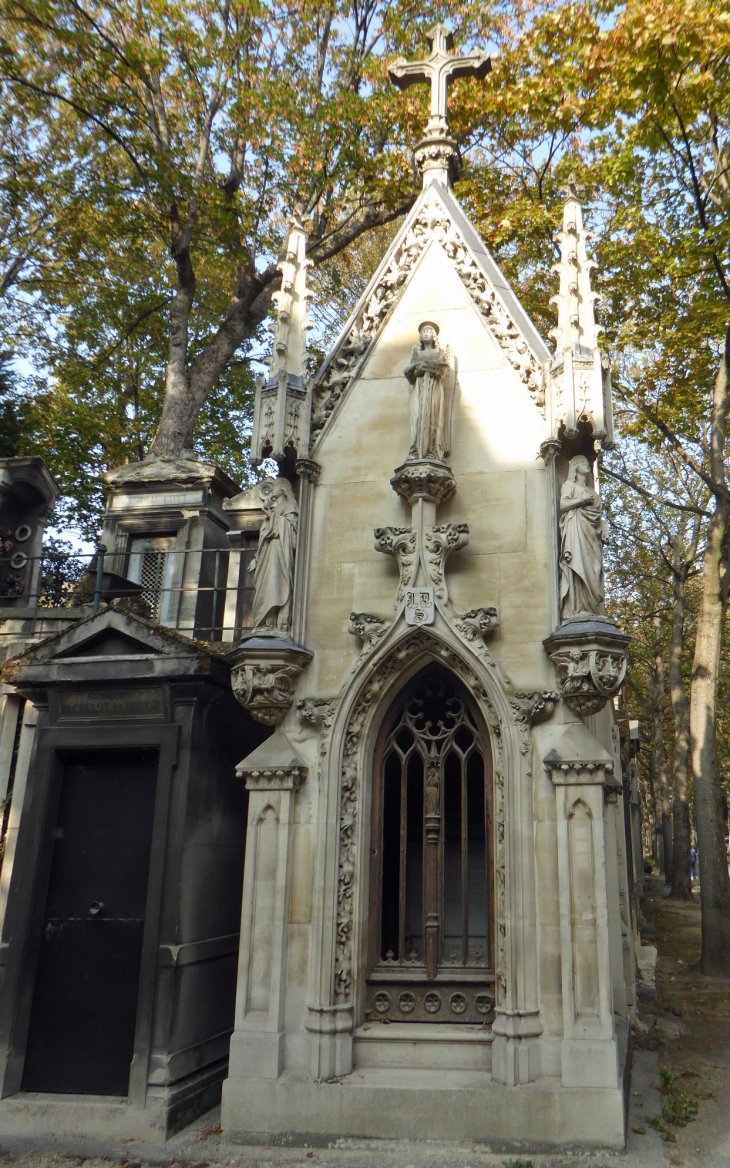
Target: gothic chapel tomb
[(435, 938)]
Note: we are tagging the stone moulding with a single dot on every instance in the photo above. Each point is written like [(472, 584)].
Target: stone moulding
[(590, 662), (264, 675)]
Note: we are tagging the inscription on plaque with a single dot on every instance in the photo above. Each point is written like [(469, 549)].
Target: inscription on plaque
[(112, 703), (419, 608)]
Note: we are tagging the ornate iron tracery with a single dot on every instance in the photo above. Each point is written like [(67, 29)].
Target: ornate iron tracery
[(432, 919)]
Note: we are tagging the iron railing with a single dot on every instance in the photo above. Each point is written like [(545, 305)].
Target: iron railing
[(206, 593)]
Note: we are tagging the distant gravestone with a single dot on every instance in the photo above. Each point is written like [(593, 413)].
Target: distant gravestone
[(28, 493)]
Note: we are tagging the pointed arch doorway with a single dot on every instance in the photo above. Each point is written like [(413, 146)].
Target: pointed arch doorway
[(431, 929)]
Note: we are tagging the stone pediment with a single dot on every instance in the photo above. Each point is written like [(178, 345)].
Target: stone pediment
[(435, 220), (111, 646)]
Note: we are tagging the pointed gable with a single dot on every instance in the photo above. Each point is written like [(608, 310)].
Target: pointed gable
[(436, 220)]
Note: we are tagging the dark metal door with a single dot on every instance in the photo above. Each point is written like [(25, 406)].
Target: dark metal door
[(84, 1011)]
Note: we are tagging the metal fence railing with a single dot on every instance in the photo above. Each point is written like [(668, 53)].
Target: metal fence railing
[(207, 593)]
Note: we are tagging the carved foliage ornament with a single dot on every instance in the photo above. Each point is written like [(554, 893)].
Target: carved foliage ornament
[(350, 786), (432, 223)]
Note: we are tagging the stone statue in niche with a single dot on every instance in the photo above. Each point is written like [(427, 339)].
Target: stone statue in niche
[(431, 372), (582, 532), (273, 564)]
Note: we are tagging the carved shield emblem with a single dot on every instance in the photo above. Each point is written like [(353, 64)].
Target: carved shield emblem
[(419, 606)]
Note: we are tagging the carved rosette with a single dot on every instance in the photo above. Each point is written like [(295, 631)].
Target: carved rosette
[(264, 675), (434, 482), (590, 663)]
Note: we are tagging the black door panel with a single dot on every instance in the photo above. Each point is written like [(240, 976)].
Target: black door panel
[(83, 1017)]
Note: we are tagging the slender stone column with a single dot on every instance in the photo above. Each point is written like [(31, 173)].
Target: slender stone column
[(579, 768), (308, 471), (257, 1045)]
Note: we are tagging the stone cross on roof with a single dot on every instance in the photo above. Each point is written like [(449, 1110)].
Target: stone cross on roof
[(438, 70), (437, 156)]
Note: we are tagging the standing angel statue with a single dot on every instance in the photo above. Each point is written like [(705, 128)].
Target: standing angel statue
[(582, 532), (432, 374), (273, 564)]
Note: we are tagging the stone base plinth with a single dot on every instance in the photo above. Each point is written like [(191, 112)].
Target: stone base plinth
[(257, 1054), (396, 1103), (167, 1110)]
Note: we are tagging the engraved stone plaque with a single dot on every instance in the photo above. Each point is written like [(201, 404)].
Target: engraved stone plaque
[(419, 606), (111, 703)]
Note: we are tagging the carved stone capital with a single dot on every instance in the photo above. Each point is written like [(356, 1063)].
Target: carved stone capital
[(368, 629), (590, 662), (578, 759), (308, 469), (264, 675), (424, 479), (440, 154), (275, 765), (549, 449)]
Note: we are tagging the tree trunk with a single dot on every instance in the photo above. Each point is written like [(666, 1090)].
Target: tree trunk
[(713, 872), (660, 755), (681, 834)]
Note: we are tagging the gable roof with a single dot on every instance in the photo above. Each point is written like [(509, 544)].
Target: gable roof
[(111, 646), (435, 217)]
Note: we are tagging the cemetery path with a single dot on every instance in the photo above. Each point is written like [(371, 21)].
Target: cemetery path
[(683, 1044)]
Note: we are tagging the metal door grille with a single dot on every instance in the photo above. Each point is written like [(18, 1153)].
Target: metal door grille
[(431, 928), (152, 575)]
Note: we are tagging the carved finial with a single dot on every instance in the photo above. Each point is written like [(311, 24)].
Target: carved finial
[(281, 416), (580, 381), (437, 156), (577, 328), (289, 350)]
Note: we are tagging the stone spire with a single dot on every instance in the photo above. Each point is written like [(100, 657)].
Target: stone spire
[(577, 326), (581, 382), (281, 408), (437, 157)]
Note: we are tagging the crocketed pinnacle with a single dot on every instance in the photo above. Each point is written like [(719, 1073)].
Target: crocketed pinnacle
[(577, 329), (289, 352)]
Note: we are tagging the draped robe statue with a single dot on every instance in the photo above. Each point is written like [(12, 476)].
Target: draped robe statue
[(273, 565), (582, 532), (432, 374)]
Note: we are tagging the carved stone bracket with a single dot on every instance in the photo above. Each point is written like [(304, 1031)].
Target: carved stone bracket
[(434, 482), (399, 542), (529, 708), (477, 623), (590, 661), (368, 629), (264, 675), (440, 541)]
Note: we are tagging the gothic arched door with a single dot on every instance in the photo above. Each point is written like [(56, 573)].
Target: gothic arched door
[(431, 940)]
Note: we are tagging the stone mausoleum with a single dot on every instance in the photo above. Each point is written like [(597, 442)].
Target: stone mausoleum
[(317, 793)]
